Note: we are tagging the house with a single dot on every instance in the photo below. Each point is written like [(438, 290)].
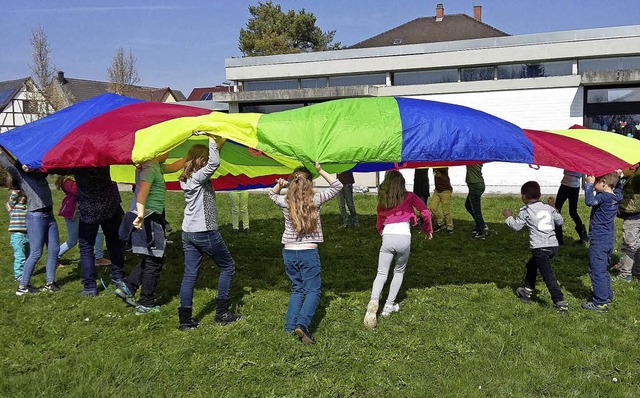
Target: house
[(203, 97), (20, 103), (76, 90), (543, 81)]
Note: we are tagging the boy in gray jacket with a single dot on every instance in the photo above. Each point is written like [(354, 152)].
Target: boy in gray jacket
[(541, 219)]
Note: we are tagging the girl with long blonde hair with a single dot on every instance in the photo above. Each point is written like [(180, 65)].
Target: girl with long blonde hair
[(302, 233), (395, 216)]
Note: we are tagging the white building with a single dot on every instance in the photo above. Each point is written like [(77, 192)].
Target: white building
[(540, 81), (19, 102)]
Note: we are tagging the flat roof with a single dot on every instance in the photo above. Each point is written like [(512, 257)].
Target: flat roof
[(426, 48)]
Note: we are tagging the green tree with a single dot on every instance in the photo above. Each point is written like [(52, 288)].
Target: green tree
[(271, 31)]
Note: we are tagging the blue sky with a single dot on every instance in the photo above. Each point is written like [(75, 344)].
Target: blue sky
[(183, 44)]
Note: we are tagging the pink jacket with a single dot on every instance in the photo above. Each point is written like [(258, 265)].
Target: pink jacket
[(404, 212), (68, 205)]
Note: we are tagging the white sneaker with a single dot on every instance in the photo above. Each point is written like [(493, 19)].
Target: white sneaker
[(370, 319), (390, 308)]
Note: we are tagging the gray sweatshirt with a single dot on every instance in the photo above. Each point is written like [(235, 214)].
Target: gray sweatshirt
[(200, 212), (34, 185), (541, 219)]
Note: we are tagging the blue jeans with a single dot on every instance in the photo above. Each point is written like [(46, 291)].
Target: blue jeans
[(72, 235), (20, 244), (42, 229), (195, 244), (87, 237), (303, 269), (599, 259)]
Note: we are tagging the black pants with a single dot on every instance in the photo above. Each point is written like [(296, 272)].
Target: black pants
[(145, 275), (570, 193), (541, 260)]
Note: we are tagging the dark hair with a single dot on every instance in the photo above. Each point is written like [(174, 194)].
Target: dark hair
[(610, 179), (530, 190)]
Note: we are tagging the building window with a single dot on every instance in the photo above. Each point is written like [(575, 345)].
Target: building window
[(543, 69), (30, 107), (425, 77), (475, 74), (358, 80), (320, 82), (604, 64), (607, 95), (206, 96), (258, 85)]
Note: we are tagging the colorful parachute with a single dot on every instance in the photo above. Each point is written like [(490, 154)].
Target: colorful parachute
[(360, 134)]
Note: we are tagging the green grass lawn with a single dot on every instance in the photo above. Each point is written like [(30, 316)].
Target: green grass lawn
[(460, 330)]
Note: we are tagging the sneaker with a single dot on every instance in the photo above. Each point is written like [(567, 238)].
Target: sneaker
[(450, 231), (103, 262), (390, 308), (591, 306), (88, 293), (22, 290), (142, 310), (50, 287), (439, 227), (125, 294), (303, 333), (524, 294), (370, 319), (479, 235), (562, 307), (227, 318), (621, 278)]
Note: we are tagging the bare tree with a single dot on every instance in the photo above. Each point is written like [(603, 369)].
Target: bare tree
[(122, 73), (43, 72)]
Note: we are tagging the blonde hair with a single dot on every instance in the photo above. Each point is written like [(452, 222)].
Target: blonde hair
[(392, 190), (302, 211), (60, 181), (196, 159)]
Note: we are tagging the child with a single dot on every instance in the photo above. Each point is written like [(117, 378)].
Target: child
[(395, 213), (147, 206), (200, 233), (629, 212), (68, 211), (239, 201), (345, 200), (604, 206), (473, 203), (442, 196), (570, 189), (302, 233), (542, 221), (17, 209)]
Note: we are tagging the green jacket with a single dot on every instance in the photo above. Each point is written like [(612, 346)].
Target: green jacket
[(630, 203)]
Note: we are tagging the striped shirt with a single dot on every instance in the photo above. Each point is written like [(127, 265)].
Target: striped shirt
[(17, 213), (290, 236)]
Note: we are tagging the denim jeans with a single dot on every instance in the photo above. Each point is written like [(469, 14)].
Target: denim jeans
[(87, 238), (72, 235), (99, 246), (345, 200), (599, 259), (20, 244), (145, 275), (473, 204), (42, 229), (541, 261), (303, 269), (195, 244)]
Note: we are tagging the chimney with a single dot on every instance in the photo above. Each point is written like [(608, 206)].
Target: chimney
[(477, 13), (61, 78), (439, 12)]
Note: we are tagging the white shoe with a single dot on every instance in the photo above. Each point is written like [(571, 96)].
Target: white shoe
[(390, 308), (370, 319)]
